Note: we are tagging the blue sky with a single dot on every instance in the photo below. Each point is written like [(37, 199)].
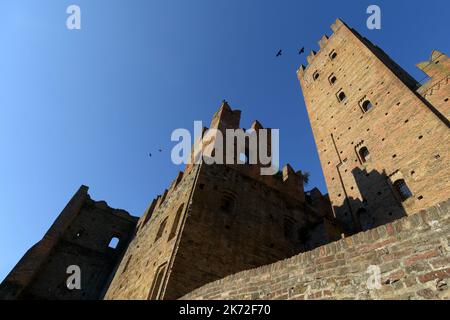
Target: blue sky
[(87, 106)]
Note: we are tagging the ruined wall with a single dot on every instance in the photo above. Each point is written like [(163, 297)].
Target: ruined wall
[(413, 255), (406, 138), (80, 236)]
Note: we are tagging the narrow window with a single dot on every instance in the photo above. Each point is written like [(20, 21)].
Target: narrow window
[(162, 226), (174, 229), (155, 290), (366, 105), (113, 243), (364, 154), (402, 189), (316, 75)]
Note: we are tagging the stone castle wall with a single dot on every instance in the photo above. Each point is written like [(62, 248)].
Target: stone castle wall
[(413, 255)]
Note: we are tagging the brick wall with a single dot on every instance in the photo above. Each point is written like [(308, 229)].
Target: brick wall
[(79, 236), (413, 254), (405, 135)]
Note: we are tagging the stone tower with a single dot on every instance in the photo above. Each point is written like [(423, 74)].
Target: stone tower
[(381, 136), (215, 220)]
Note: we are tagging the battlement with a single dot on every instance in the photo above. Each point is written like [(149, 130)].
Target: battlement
[(322, 44), (227, 118), (437, 66)]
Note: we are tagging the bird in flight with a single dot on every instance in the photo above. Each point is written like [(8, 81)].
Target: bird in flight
[(150, 154), (280, 52), (160, 150), (302, 50)]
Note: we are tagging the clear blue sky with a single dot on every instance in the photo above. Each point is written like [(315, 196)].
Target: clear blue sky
[(86, 107)]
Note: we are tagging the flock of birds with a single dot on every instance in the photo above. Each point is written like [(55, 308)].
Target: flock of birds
[(279, 54), (159, 150)]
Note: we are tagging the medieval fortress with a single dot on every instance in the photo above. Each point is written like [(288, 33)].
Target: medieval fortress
[(228, 232)]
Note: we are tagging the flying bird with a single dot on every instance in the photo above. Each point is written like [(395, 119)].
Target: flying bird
[(150, 154), (280, 52), (160, 150), (302, 50)]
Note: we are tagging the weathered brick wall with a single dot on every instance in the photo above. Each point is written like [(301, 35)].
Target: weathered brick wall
[(437, 89), (413, 255), (261, 227), (80, 236), (232, 219), (151, 250), (405, 135)]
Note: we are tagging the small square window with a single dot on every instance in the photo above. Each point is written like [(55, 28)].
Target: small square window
[(333, 55), (332, 79), (316, 75), (341, 96)]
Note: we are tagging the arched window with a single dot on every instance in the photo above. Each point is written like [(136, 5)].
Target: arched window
[(366, 105), (341, 96), (316, 75), (174, 229), (113, 243), (162, 226), (364, 154), (155, 290), (402, 189)]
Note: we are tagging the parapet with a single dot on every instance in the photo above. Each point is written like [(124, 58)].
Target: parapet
[(438, 65), (322, 44)]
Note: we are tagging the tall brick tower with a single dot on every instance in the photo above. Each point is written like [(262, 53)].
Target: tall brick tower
[(216, 220), (383, 139)]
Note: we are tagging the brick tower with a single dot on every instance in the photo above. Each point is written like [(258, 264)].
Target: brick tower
[(382, 137), (216, 220)]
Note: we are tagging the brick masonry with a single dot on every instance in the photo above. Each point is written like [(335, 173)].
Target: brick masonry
[(79, 236), (216, 220), (405, 132), (413, 255)]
